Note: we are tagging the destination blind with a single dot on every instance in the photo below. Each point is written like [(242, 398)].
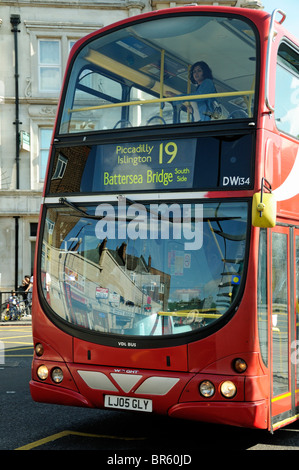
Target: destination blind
[(203, 163), (148, 165)]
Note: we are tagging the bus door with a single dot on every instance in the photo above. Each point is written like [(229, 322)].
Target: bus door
[(282, 322), (295, 338)]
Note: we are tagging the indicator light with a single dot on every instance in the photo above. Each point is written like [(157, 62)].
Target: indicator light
[(39, 349), (240, 365)]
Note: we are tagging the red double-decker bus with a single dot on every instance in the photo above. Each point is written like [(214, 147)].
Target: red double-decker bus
[(167, 260)]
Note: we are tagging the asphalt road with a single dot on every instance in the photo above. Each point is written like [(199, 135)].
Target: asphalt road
[(26, 425)]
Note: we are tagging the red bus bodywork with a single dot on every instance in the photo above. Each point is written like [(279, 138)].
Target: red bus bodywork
[(171, 376)]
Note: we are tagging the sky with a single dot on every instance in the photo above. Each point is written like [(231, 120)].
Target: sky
[(291, 8)]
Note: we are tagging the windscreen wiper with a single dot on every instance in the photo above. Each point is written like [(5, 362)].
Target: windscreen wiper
[(85, 214), (65, 202), (128, 202)]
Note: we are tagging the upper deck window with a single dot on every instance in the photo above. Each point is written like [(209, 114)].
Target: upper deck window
[(163, 71)]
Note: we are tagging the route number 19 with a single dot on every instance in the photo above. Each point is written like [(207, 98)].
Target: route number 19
[(170, 149)]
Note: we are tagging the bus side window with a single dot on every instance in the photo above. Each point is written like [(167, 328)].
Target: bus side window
[(287, 91)]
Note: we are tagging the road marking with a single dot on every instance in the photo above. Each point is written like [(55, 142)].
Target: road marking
[(17, 339), (62, 434), (10, 337), (16, 342), (20, 329), (5, 353)]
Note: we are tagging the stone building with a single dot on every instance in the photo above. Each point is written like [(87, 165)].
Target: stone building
[(35, 40)]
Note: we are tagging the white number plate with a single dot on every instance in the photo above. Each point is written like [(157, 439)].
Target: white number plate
[(128, 403)]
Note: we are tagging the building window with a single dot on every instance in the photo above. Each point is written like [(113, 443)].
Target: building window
[(49, 50), (45, 135), (49, 65), (71, 43), (33, 229)]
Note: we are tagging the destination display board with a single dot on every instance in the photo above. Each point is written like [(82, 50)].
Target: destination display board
[(204, 163), (145, 165)]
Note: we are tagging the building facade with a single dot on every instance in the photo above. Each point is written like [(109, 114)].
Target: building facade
[(35, 39)]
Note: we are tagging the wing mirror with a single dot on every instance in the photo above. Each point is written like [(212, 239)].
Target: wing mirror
[(264, 207)]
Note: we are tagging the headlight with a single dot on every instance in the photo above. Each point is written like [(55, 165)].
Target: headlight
[(42, 372), (228, 389), (206, 389), (57, 375)]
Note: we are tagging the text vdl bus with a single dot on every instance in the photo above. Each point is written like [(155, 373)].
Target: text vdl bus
[(166, 270)]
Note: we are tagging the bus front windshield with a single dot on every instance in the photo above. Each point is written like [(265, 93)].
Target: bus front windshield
[(189, 69), (143, 269)]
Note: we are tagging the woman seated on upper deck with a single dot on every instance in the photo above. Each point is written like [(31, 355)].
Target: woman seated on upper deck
[(201, 75), (202, 109)]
